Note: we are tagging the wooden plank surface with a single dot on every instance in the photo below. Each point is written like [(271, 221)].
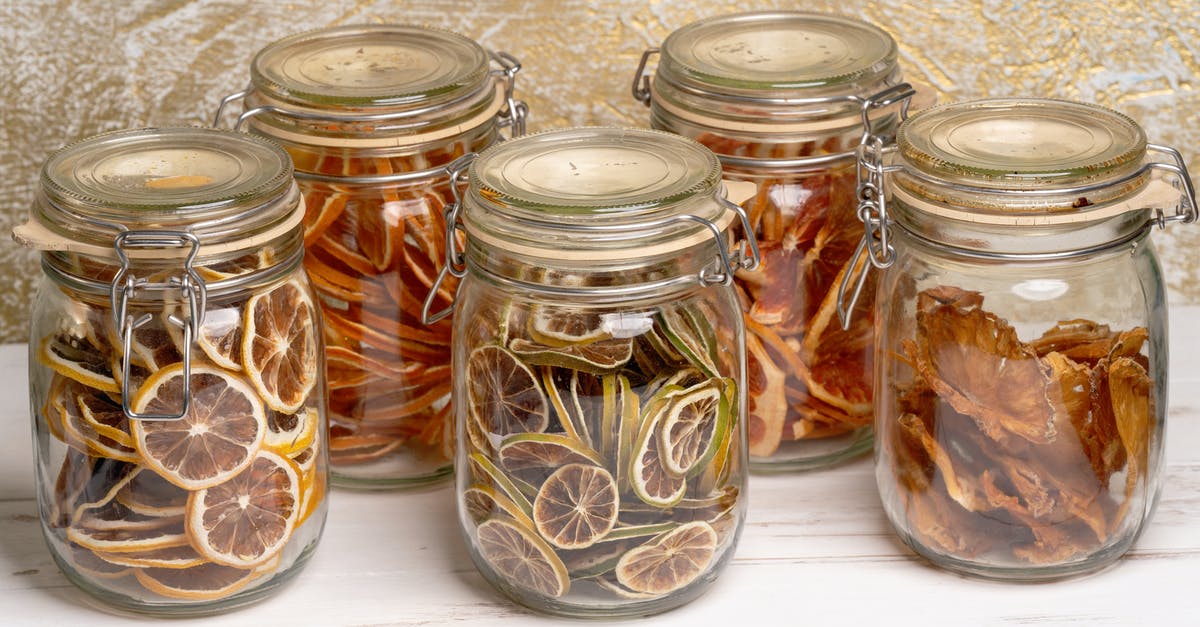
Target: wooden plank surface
[(816, 550)]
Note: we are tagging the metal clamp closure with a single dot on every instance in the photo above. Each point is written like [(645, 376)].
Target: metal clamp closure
[(125, 286), (516, 111), (641, 78), (1187, 211), (455, 263)]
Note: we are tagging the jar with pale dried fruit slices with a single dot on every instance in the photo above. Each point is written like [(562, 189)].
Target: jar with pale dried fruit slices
[(375, 118), (600, 369), (1021, 364), (176, 372), (784, 98)]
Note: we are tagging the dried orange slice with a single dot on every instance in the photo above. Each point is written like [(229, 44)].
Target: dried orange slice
[(503, 396), (279, 346), (671, 562), (576, 506), (198, 583), (522, 558), (79, 359), (219, 436), (246, 520)]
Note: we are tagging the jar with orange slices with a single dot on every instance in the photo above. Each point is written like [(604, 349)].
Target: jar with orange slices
[(784, 98), (374, 117), (176, 370), (598, 348)]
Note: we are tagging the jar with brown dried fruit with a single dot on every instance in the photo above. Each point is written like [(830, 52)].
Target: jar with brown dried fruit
[(176, 376), (1021, 366), (375, 117), (784, 98), (600, 469)]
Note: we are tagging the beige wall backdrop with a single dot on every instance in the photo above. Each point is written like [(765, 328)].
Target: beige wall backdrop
[(71, 69)]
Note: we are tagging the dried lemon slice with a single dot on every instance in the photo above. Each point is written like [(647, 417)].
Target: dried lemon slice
[(183, 556), (279, 346), (576, 506), (198, 583), (220, 336), (671, 562), (247, 519), (503, 396), (79, 359), (219, 436), (522, 557), (288, 434)]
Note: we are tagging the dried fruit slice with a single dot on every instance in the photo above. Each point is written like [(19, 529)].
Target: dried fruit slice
[(148, 494), (671, 562), (198, 583), (128, 538), (533, 456), (522, 557), (597, 357), (566, 406), (767, 400), (246, 520), (220, 336), (483, 502), (183, 556), (695, 421), (89, 563), (279, 346), (692, 334), (558, 326), (488, 473), (838, 362), (576, 506), (79, 359), (1130, 387), (649, 479), (288, 434), (92, 423), (219, 436), (503, 396)]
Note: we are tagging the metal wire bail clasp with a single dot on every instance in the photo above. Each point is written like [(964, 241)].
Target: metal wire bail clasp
[(516, 111), (641, 78), (876, 243), (456, 261), (125, 287), (1187, 211)]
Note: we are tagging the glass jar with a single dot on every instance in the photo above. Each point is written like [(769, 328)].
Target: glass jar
[(176, 378), (599, 406), (374, 117), (1021, 364), (784, 98)]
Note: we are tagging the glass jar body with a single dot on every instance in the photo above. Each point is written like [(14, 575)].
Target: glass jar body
[(144, 515), (810, 382), (374, 250), (561, 454), (1020, 406)]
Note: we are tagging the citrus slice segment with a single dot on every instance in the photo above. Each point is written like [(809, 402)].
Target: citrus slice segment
[(533, 456), (279, 346), (183, 556), (101, 432), (313, 486), (50, 414), (556, 326), (693, 336), (148, 494), (671, 562), (288, 434), (126, 539), (198, 583), (219, 436), (79, 359), (503, 396), (488, 473), (220, 336), (482, 502), (576, 506), (649, 479), (566, 407), (597, 357), (522, 558), (89, 563), (694, 422), (246, 520), (151, 346)]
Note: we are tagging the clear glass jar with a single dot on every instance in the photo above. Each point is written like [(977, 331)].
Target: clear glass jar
[(1021, 364), (599, 406), (374, 117), (176, 378), (784, 98)]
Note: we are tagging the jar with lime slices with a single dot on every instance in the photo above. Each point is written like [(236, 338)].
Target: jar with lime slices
[(176, 375), (785, 98), (375, 117), (599, 360)]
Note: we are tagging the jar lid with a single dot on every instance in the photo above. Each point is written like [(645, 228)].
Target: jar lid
[(777, 54), (595, 194), (376, 65), (228, 189)]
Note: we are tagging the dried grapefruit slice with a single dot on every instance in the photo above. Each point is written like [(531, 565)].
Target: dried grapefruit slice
[(522, 557), (198, 583), (671, 562), (279, 346), (576, 506), (503, 396), (219, 436), (246, 520)]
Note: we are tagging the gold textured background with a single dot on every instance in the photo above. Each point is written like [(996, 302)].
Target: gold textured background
[(71, 69)]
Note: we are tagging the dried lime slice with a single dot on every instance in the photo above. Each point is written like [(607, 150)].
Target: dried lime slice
[(690, 333), (595, 560), (503, 395), (670, 562), (483, 468), (576, 506), (570, 414), (649, 480), (534, 456), (484, 501), (596, 357), (522, 558), (695, 422), (558, 326)]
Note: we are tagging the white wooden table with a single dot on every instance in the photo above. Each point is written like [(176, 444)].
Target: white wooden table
[(816, 550)]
